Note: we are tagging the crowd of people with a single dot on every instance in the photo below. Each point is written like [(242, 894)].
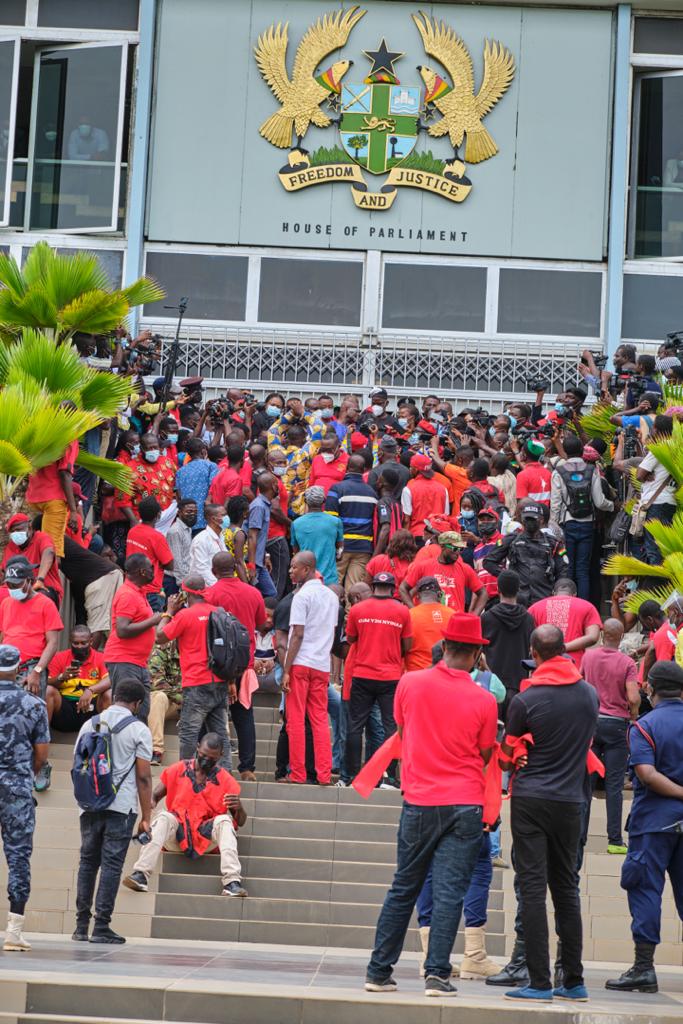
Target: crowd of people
[(414, 571)]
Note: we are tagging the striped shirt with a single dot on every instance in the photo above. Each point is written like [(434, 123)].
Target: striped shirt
[(354, 502)]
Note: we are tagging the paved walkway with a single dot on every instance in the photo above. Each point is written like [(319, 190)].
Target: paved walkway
[(162, 978)]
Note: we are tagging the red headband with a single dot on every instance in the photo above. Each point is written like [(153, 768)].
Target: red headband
[(197, 593)]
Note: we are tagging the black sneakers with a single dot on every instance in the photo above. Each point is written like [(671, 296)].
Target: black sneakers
[(435, 986), (388, 985), (137, 881)]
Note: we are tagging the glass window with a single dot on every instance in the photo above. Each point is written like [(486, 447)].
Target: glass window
[(216, 286), (310, 292), (658, 35), (434, 298), (12, 12), (110, 14), (656, 224), (75, 172), (549, 302), (9, 67), (652, 306)]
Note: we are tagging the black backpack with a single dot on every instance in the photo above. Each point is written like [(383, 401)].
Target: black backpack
[(578, 485), (228, 644)]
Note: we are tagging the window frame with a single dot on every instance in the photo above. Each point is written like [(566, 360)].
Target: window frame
[(40, 51), (9, 173)]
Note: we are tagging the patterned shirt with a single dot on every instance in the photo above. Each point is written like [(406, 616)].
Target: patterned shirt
[(153, 480), (164, 671), (193, 480), (298, 459), (23, 722)]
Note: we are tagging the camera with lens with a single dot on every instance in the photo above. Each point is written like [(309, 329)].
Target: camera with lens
[(537, 383), (674, 340), (221, 407)]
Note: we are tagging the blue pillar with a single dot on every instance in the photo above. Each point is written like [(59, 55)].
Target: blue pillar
[(139, 150), (619, 180)]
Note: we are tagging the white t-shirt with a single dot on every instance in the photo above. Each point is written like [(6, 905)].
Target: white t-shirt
[(316, 608), (132, 742), (667, 496)]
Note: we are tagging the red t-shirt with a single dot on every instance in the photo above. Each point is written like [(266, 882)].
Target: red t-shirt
[(46, 483), (534, 482), (242, 601), (277, 529), (383, 563), (38, 543), (325, 474), (188, 627), (92, 670), (572, 615), (131, 603), (228, 483), (378, 625), (453, 579), (145, 540), (664, 640), (25, 623), (446, 721)]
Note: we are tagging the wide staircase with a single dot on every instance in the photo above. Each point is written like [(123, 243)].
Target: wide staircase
[(316, 861)]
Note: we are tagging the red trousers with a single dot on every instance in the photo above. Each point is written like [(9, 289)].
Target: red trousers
[(308, 696)]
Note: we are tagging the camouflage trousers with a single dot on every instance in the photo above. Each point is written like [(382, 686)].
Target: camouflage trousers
[(17, 823)]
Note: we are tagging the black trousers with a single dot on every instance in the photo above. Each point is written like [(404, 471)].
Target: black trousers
[(282, 752), (364, 693), (243, 720), (546, 836), (105, 838)]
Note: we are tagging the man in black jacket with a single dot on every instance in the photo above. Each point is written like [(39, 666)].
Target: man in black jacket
[(508, 628), (538, 559)]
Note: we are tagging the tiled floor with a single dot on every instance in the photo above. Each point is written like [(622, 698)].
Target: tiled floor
[(300, 972)]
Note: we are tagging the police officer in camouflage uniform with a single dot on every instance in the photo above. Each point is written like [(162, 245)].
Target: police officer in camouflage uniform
[(24, 739)]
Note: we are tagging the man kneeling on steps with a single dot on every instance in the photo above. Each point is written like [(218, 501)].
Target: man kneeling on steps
[(203, 811)]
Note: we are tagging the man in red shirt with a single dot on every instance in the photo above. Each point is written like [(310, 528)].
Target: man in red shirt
[(381, 632), (423, 496), (448, 729), (131, 639), (143, 539), (153, 476), (78, 684), (39, 548), (205, 697), (201, 794), (246, 604), (452, 574), (50, 491), (230, 480), (662, 632), (329, 466), (534, 480), (30, 622), (579, 620)]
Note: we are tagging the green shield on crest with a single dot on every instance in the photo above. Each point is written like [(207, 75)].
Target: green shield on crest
[(378, 126)]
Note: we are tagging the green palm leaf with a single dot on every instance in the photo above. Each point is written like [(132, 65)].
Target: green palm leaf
[(143, 291), (669, 539), (109, 470), (39, 264), (673, 394), (105, 394), (11, 276), (596, 422), (658, 594), (94, 313), (625, 565), (669, 452), (49, 431), (72, 276), (12, 461), (57, 368)]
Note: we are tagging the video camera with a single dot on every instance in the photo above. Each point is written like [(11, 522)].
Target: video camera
[(674, 340), (636, 384), (537, 383)]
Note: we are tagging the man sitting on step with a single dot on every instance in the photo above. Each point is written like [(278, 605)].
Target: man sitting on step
[(203, 812)]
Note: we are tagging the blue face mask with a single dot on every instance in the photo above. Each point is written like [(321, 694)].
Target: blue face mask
[(172, 439), (226, 522), (513, 421), (274, 411), (467, 513), (135, 451), (414, 439), (18, 537), (560, 409), (402, 422), (152, 455), (327, 414), (17, 594)]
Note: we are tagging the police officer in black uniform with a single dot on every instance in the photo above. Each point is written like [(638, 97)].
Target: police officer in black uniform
[(655, 824), (536, 557), (24, 739)]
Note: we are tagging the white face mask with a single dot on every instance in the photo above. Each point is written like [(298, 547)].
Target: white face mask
[(327, 414), (279, 470), (328, 457), (18, 537), (18, 593), (377, 410), (152, 455)]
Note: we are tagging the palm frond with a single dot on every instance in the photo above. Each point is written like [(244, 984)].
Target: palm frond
[(668, 451), (626, 565), (658, 594), (596, 422), (105, 393), (38, 265), (45, 436), (11, 276), (673, 394), (72, 276), (112, 472), (12, 461), (143, 291), (669, 539), (94, 313), (34, 309), (57, 367)]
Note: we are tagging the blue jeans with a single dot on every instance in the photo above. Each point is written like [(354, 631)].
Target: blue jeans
[(334, 710), (476, 898), (579, 540), (664, 514), (264, 582), (449, 839), (610, 745), (105, 839), (495, 843)]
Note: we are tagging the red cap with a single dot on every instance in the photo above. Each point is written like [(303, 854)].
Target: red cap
[(439, 523), (421, 463), (489, 511), (465, 629), (16, 519), (426, 427), (358, 441)]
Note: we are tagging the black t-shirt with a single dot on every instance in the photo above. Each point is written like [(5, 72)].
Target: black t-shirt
[(282, 613), (562, 721), (402, 471), (82, 566)]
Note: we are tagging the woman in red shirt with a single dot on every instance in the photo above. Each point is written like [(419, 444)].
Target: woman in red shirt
[(401, 551)]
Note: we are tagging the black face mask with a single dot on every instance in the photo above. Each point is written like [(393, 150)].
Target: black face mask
[(487, 529), (532, 525), (80, 653), (206, 764), (189, 520)]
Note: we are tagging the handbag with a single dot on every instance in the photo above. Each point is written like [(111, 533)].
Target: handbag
[(641, 509), (619, 530)]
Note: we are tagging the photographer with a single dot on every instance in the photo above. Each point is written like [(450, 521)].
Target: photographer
[(645, 370), (658, 492), (642, 416)]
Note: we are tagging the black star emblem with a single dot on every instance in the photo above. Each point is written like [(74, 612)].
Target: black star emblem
[(383, 59)]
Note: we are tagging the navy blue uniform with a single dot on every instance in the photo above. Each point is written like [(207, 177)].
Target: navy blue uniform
[(652, 851), (23, 722)]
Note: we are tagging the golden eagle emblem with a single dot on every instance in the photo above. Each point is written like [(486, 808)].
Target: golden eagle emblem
[(462, 110), (302, 95)]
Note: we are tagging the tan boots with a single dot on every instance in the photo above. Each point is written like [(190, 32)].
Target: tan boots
[(424, 941), (14, 940), (475, 963)]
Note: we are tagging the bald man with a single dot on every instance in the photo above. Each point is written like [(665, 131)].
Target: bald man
[(354, 501), (560, 710), (614, 676), (306, 670)]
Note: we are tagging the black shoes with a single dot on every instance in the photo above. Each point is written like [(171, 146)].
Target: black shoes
[(107, 937), (515, 972), (641, 977)]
